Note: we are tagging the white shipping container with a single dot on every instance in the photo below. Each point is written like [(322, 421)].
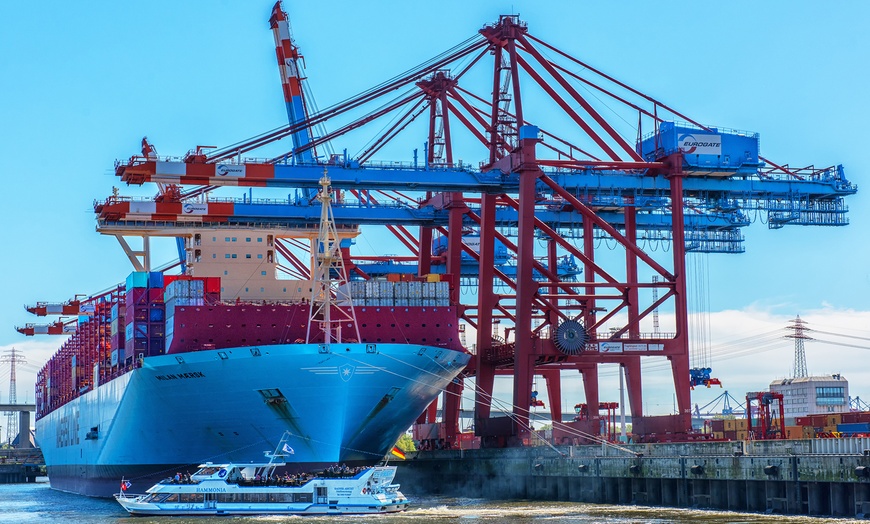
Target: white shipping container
[(428, 302), (343, 293), (373, 289), (415, 302), (358, 289), (400, 290), (442, 290), (415, 289), (386, 289)]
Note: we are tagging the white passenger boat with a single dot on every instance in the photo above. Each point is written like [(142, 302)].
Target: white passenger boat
[(255, 489)]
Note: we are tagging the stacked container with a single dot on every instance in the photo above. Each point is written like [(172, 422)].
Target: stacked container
[(145, 315), (181, 292)]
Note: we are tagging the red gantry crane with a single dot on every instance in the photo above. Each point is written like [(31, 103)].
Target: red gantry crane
[(543, 191)]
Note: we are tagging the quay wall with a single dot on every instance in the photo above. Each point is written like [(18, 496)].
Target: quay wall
[(818, 477)]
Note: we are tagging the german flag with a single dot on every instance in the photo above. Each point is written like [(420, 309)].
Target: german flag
[(398, 452)]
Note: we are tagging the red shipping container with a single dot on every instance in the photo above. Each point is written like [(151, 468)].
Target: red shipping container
[(856, 417), (155, 295), (137, 296), (168, 279), (213, 285)]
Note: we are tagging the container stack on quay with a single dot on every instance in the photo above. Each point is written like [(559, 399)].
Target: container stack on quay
[(830, 425)]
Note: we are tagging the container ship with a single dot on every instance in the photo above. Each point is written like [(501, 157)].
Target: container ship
[(167, 371)]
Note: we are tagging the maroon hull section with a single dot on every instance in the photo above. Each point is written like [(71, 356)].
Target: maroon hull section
[(238, 325)]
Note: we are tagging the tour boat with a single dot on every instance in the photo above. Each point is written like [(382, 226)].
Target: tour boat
[(255, 489)]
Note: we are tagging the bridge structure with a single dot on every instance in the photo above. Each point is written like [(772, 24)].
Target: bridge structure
[(24, 411)]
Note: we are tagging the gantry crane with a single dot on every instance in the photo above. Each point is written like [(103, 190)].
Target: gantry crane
[(539, 194)]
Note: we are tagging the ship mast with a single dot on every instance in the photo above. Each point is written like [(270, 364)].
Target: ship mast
[(328, 276)]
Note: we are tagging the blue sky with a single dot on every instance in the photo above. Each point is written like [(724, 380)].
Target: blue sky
[(80, 84)]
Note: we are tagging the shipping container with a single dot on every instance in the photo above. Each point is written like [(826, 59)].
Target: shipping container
[(137, 279), (155, 279), (856, 416), (136, 297), (854, 427)]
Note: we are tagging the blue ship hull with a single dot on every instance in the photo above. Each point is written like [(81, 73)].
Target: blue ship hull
[(342, 403)]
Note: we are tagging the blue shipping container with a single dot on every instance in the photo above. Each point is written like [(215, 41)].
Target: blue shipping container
[(854, 427), (155, 280), (137, 279)]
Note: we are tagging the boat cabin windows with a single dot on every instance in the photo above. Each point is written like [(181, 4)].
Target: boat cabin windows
[(192, 497), (306, 498), (207, 471)]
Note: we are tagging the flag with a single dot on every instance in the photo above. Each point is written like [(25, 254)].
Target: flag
[(287, 449), (398, 452), (125, 485)]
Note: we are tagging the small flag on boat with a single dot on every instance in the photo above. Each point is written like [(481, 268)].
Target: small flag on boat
[(125, 485), (398, 452), (287, 449)]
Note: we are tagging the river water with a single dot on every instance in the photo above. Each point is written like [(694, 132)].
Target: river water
[(25, 503)]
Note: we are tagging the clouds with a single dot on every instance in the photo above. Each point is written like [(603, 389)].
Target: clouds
[(749, 350)]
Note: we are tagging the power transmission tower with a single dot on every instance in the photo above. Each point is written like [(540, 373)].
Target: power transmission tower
[(12, 357), (798, 333)]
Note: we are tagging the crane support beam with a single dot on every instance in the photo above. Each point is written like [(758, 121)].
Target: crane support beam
[(350, 175)]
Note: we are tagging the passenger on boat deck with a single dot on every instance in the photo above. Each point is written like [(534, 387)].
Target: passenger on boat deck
[(178, 477)]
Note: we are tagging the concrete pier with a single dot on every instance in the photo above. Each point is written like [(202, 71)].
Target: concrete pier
[(797, 477), (20, 465)]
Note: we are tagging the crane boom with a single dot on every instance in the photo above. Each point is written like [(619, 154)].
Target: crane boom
[(290, 68)]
